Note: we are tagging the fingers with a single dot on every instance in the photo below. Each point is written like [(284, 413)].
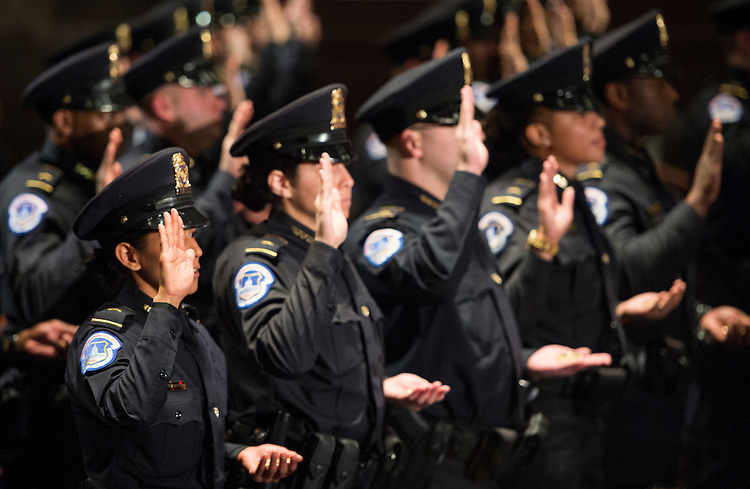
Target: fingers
[(110, 152), (240, 119)]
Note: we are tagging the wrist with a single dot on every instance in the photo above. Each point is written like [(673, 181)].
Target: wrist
[(538, 242)]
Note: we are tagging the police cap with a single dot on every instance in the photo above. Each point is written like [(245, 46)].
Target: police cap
[(559, 81), (430, 93), (138, 198), (456, 21), (303, 129), (186, 60), (638, 48), (730, 15), (165, 20), (88, 80)]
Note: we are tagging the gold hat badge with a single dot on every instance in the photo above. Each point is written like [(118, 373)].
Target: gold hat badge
[(586, 62), (181, 176), (468, 75), (338, 112)]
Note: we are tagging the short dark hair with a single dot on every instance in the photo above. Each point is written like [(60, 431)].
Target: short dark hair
[(251, 188)]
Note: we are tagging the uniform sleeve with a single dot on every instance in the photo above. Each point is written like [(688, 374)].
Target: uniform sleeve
[(131, 389), (41, 265), (650, 258), (283, 317), (432, 257)]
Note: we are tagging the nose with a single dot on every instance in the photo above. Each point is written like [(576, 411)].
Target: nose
[(191, 242), (341, 176), (596, 120)]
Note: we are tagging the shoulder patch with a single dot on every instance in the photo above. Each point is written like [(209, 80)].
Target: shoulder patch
[(382, 244), (727, 108), (599, 202), (385, 212), (25, 212), (252, 283), (515, 192), (591, 171), (99, 351), (497, 228)]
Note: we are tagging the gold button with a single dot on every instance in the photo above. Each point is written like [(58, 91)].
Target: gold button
[(498, 280), (365, 311), (605, 258)]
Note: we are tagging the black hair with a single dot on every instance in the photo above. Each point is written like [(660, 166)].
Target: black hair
[(105, 265), (251, 188)]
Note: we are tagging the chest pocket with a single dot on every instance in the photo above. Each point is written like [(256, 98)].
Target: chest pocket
[(176, 439), (346, 339)]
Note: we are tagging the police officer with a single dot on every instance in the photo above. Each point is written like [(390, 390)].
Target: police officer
[(654, 238), (147, 382), (719, 433), (178, 90), (42, 262), (423, 259), (302, 335), (571, 299)]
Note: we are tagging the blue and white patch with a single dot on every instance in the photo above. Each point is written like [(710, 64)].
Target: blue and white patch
[(99, 351), (727, 108), (375, 148), (497, 228), (252, 283), (599, 203), (26, 212), (382, 244)]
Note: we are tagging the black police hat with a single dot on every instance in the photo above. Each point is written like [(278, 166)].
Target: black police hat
[(186, 60), (137, 199), (560, 81), (303, 129), (99, 36), (639, 48), (456, 21), (730, 15), (165, 20), (89, 80), (430, 93)]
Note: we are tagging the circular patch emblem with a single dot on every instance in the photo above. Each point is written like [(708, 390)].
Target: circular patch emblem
[(251, 284), (599, 203), (497, 228), (26, 212), (382, 244), (99, 351), (726, 107)]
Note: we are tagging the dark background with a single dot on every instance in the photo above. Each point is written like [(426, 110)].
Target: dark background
[(349, 53)]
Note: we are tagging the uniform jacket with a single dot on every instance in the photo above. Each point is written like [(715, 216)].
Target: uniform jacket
[(723, 264), (301, 334), (654, 237), (149, 393), (572, 302), (448, 318), (42, 263)]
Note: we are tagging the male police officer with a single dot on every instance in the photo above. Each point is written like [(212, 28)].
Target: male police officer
[(654, 239), (43, 263), (420, 253)]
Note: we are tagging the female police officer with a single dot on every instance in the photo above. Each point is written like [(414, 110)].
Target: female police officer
[(301, 332), (147, 382)]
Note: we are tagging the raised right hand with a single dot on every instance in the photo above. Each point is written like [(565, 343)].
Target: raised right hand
[(707, 177), (330, 220)]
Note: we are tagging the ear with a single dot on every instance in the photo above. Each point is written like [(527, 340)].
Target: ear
[(162, 105), (411, 143), (280, 184), (62, 123), (538, 135), (616, 96), (126, 254)]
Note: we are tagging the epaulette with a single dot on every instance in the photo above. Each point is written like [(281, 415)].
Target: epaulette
[(385, 212), (268, 246), (591, 171), (111, 317), (46, 179), (735, 89), (515, 192)]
